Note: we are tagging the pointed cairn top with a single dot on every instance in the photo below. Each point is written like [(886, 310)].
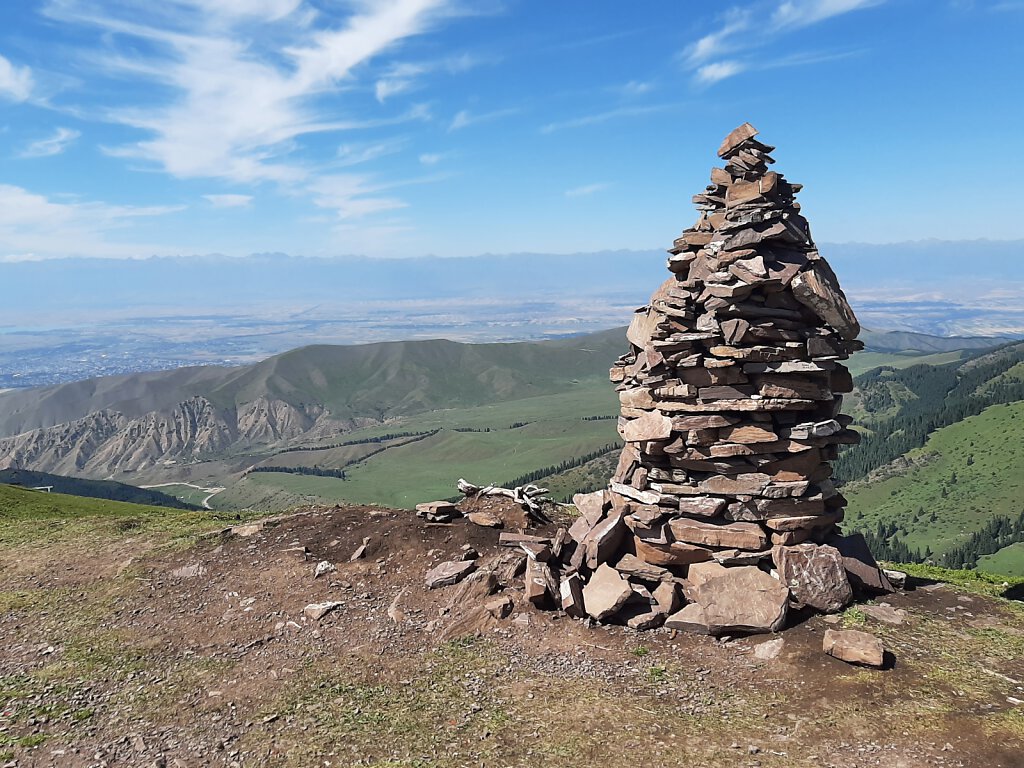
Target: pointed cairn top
[(747, 158), (737, 137)]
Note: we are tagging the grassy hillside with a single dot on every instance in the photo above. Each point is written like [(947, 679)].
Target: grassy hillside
[(97, 489), (964, 475), (413, 472), (868, 359), (383, 380), (27, 515), (898, 409), (1008, 560)]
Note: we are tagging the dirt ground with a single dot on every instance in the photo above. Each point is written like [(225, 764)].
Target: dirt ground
[(131, 652)]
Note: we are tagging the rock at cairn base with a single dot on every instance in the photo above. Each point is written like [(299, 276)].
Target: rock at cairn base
[(854, 647), (730, 409)]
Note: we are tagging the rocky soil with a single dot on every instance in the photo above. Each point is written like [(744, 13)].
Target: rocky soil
[(131, 650)]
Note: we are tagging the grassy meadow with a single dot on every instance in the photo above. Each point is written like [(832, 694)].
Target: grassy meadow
[(964, 475)]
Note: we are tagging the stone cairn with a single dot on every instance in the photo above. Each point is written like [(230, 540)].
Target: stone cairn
[(721, 515)]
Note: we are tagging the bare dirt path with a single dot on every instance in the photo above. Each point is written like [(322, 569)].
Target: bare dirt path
[(205, 502)]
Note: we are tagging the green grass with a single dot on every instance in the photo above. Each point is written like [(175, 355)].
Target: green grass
[(592, 396), (986, 453), (1008, 560), (185, 493), (866, 360), (27, 516), (978, 582), (429, 469), (553, 431)]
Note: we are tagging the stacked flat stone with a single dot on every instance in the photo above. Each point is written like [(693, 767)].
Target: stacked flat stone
[(730, 409)]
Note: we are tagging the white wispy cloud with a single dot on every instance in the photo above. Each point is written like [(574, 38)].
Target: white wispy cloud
[(465, 118), (794, 14), (359, 153), (237, 88), (405, 76), (633, 88), (735, 21), (431, 158), (587, 189), (229, 200), (15, 82), (352, 196), (603, 117), (725, 51), (718, 70), (61, 139), (385, 89), (33, 226), (237, 109)]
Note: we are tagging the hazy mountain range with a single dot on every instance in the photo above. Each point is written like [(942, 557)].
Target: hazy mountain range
[(96, 427), (70, 319)]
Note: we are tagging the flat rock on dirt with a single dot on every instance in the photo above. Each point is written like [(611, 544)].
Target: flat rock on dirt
[(448, 573), (854, 647)]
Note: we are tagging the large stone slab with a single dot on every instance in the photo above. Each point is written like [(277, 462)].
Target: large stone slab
[(742, 600), (818, 289), (676, 553), (735, 138), (815, 576), (542, 586), (651, 426), (702, 506), (604, 539), (736, 535), (642, 327), (633, 566), (571, 594), (605, 593)]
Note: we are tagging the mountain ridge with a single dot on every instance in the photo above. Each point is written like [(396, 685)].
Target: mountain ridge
[(99, 427)]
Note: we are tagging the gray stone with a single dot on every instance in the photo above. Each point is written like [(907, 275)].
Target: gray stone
[(360, 551), (815, 576), (317, 611), (898, 579), (769, 649), (885, 613), (189, 571), (449, 573), (322, 568)]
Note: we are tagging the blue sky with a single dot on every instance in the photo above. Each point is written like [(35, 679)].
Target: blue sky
[(455, 127)]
